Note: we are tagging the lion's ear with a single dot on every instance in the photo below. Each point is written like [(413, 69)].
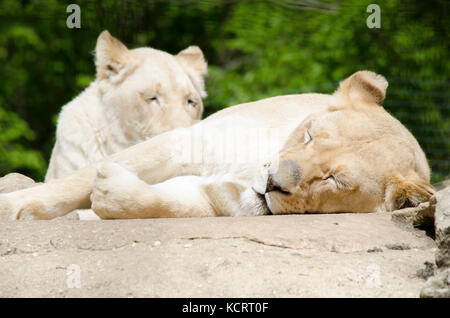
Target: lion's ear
[(405, 192), (192, 57), (195, 66), (363, 87), (110, 57)]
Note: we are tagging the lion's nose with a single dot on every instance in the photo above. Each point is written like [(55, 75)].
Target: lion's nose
[(284, 178), (271, 185)]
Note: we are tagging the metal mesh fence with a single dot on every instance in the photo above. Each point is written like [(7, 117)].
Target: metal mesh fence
[(424, 107)]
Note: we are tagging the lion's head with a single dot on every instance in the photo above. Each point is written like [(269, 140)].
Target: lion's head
[(147, 90), (354, 157)]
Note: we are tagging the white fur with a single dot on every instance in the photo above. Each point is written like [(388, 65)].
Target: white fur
[(188, 172), (112, 115)]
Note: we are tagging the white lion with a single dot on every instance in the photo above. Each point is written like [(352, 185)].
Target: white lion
[(137, 94), (315, 153)]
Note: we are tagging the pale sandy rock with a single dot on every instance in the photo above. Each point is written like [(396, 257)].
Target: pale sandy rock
[(267, 256), (15, 181), (442, 225), (437, 286)]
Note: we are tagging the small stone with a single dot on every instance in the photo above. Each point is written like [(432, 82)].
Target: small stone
[(398, 246), (187, 245), (156, 243), (15, 181), (374, 250)]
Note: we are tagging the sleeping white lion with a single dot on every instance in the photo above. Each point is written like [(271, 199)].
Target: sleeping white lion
[(315, 153)]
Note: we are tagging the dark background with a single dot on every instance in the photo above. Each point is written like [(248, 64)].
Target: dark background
[(255, 49)]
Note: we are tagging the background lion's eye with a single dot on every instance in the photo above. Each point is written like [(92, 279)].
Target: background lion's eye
[(191, 103), (150, 98)]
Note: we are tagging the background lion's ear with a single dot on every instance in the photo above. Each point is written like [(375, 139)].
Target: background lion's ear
[(110, 56), (193, 58), (193, 62), (363, 87), (405, 192)]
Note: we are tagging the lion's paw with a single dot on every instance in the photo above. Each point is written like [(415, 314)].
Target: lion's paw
[(114, 190), (8, 210)]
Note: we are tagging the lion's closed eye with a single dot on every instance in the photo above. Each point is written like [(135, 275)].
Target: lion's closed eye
[(339, 181), (149, 97), (192, 102), (331, 180)]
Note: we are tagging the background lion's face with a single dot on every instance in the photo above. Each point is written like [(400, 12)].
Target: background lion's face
[(348, 160), (156, 97), (149, 91)]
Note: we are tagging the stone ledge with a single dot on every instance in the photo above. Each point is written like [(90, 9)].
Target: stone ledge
[(439, 285), (333, 255)]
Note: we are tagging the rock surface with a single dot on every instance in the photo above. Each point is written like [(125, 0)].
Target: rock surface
[(439, 285), (334, 255), (15, 181), (421, 214), (442, 225)]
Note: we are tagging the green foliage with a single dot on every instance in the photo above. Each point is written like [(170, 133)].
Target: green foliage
[(13, 155), (255, 49)]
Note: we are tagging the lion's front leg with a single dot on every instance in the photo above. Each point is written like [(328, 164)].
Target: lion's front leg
[(152, 160), (119, 193), (49, 200)]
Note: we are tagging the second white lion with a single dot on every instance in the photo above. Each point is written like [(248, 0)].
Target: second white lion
[(137, 94)]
